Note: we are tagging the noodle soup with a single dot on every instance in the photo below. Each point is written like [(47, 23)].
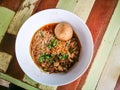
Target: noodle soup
[(51, 54)]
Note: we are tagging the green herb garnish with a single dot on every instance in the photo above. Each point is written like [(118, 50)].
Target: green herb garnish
[(71, 50), (47, 56), (68, 44), (49, 46), (41, 48), (41, 58), (63, 56), (44, 57), (52, 43), (41, 34), (45, 69)]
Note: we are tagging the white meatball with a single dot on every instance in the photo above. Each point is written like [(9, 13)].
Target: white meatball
[(63, 31)]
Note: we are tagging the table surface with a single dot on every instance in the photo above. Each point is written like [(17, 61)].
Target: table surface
[(102, 18)]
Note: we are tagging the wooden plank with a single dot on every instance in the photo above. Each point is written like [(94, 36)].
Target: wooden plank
[(70, 86), (103, 52), (83, 8), (38, 85), (67, 4), (4, 61), (4, 83), (111, 71), (46, 4), (44, 87), (21, 16), (17, 82), (11, 4), (6, 16), (26, 79), (36, 6)]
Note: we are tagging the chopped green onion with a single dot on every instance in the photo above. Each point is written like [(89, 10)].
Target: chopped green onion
[(60, 56), (41, 59), (45, 69), (47, 56), (52, 43), (40, 48), (44, 57), (71, 50), (49, 46), (41, 34), (63, 56), (67, 44)]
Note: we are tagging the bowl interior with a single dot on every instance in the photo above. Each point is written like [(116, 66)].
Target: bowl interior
[(23, 46)]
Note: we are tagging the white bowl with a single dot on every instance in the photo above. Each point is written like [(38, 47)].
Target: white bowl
[(23, 45)]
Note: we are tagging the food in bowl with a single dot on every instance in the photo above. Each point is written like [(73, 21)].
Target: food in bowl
[(55, 47)]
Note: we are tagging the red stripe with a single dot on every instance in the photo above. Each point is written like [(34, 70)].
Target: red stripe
[(71, 86), (11, 4), (46, 4)]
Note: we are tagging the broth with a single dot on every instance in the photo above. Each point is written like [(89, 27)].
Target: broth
[(51, 54)]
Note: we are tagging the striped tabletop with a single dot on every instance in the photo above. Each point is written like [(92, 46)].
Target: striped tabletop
[(103, 20)]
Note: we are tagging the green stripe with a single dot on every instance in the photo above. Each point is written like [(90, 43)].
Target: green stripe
[(6, 16), (112, 65), (104, 51), (67, 4), (30, 81), (17, 82), (83, 8), (35, 84)]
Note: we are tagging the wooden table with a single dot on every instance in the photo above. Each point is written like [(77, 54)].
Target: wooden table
[(103, 19)]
